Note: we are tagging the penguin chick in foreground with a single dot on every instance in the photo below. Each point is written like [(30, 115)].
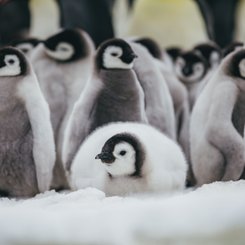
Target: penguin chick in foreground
[(113, 94), (158, 102), (27, 149), (178, 93), (126, 158), (26, 45), (191, 70), (63, 64), (217, 124)]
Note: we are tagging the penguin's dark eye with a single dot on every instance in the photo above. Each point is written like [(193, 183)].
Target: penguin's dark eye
[(114, 54), (11, 62), (122, 153)]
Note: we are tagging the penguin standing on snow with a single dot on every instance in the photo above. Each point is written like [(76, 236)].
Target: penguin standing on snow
[(125, 158), (191, 70), (217, 124), (63, 64), (27, 150), (158, 102), (113, 94)]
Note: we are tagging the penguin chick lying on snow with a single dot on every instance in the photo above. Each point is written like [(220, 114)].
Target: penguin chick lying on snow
[(113, 94), (217, 124), (27, 150), (124, 158)]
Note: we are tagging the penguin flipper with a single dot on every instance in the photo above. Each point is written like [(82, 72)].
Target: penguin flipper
[(43, 137)]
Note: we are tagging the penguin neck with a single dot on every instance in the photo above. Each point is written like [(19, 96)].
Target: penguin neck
[(122, 83)]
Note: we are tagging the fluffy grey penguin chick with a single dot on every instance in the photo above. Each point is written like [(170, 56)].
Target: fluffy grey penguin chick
[(191, 70), (27, 149), (113, 94), (158, 101), (63, 63), (217, 124), (126, 158), (178, 93)]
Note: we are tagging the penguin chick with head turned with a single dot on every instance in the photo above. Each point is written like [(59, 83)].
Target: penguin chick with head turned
[(177, 90), (113, 94), (191, 69), (178, 93), (211, 53), (217, 124), (26, 45), (234, 46), (126, 158), (158, 102), (27, 149), (63, 63)]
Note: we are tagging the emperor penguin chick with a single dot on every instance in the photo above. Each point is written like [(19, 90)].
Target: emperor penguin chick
[(217, 124), (63, 64), (113, 94), (126, 158), (158, 102), (191, 70), (27, 149)]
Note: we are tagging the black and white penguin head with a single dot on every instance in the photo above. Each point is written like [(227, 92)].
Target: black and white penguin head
[(190, 67), (122, 155), (66, 46), (210, 52), (115, 54), (232, 47), (26, 45), (151, 45), (234, 65), (173, 52), (12, 62)]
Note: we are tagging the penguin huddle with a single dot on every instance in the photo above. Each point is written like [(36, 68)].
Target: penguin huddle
[(125, 118)]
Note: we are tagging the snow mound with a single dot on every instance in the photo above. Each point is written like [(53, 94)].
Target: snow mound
[(212, 214)]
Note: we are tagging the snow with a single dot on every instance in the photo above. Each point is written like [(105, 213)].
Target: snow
[(212, 214)]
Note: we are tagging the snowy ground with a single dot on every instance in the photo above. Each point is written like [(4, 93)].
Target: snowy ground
[(213, 214)]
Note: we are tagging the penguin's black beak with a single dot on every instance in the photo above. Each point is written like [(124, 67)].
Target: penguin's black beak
[(106, 157)]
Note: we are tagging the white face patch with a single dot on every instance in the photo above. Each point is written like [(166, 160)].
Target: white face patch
[(242, 68), (124, 163), (64, 51), (12, 66), (25, 47), (111, 58), (214, 59)]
